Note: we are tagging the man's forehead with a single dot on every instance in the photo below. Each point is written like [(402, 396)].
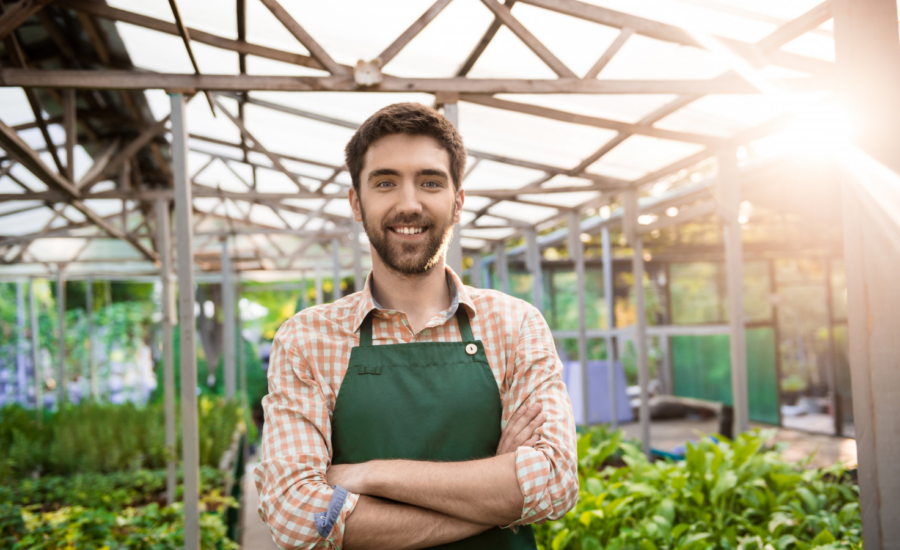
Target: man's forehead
[(406, 152)]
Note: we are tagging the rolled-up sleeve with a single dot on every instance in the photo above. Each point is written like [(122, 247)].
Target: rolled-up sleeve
[(294, 497), (547, 473)]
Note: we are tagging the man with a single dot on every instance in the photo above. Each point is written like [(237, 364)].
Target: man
[(418, 412)]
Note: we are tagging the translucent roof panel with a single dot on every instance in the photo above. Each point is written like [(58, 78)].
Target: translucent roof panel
[(494, 175), (637, 156)]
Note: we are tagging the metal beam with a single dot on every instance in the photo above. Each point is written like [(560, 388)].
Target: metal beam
[(17, 14), (304, 38), (454, 255), (228, 321), (533, 259), (728, 183), (36, 353), (71, 129), (320, 294), (391, 51), (609, 298), (169, 320), (92, 352), (336, 269), (501, 268), (136, 80), (640, 337), (576, 252), (61, 383), (358, 281), (185, 242)]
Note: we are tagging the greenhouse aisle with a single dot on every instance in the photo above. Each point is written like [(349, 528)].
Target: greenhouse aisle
[(255, 535)]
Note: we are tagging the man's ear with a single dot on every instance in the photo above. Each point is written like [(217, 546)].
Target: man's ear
[(353, 196), (460, 200)]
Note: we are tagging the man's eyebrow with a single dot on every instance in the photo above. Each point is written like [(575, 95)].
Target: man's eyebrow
[(382, 172), (433, 172)]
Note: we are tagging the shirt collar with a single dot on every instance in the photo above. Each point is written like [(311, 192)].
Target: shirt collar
[(458, 295)]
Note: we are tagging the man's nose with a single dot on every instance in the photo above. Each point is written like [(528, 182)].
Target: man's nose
[(409, 198)]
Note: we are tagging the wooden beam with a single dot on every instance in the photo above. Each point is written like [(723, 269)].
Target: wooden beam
[(597, 122), (126, 153), (186, 38), (504, 14), (610, 52), (69, 124), (100, 9), (797, 27), (483, 43), (136, 80), (95, 36), (677, 35), (315, 50), (17, 14), (391, 51)]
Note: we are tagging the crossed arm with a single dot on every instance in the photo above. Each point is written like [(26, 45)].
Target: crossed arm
[(433, 503)]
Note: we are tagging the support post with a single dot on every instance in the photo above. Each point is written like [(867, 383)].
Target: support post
[(454, 250), (534, 266), (501, 268), (304, 293), (609, 295), (830, 354), (241, 345), (728, 183), (228, 321), (169, 320), (336, 268), (92, 358), (185, 242), (21, 378), (867, 52), (477, 270), (69, 123), (640, 333), (320, 294), (576, 253), (359, 281), (36, 353), (61, 386)]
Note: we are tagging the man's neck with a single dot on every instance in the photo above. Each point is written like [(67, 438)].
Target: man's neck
[(420, 297)]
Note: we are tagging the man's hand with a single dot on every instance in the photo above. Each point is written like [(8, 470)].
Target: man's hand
[(351, 477), (520, 431)]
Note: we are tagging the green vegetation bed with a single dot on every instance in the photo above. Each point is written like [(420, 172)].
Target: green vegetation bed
[(92, 477), (723, 495)]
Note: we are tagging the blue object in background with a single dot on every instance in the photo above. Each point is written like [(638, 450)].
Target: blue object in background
[(598, 392)]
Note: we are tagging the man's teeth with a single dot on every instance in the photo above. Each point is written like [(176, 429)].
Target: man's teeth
[(409, 230)]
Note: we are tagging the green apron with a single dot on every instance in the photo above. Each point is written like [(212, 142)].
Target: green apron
[(434, 401)]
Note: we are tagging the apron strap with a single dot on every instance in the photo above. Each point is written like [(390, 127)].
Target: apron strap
[(462, 318)]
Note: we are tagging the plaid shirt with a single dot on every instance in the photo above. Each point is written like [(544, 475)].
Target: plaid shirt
[(307, 364)]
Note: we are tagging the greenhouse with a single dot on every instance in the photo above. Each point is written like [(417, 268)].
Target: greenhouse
[(700, 197)]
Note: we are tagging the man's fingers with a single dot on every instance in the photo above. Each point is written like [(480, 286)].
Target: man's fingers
[(528, 431), (523, 418), (531, 442)]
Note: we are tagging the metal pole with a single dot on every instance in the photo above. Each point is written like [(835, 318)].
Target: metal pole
[(336, 268), (35, 353), (320, 295), (169, 320), (359, 281), (21, 379), (304, 293), (609, 294), (728, 182), (92, 359), (534, 266), (241, 351), (186, 299), (70, 125), (62, 387), (454, 250), (576, 253), (640, 336), (476, 271), (830, 355), (228, 320), (501, 267)]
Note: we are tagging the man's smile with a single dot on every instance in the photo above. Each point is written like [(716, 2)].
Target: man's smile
[(408, 231)]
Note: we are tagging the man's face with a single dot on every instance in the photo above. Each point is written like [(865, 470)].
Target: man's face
[(407, 202)]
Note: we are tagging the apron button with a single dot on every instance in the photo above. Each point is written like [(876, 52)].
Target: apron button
[(471, 349)]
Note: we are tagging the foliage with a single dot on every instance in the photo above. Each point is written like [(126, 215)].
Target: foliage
[(724, 495), (101, 437), (147, 528), (111, 491)]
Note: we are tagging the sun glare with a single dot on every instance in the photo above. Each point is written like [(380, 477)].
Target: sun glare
[(820, 129)]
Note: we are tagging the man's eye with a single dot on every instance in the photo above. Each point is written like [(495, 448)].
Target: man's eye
[(384, 183), (431, 184)]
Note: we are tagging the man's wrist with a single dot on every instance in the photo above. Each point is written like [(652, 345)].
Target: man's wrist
[(373, 478)]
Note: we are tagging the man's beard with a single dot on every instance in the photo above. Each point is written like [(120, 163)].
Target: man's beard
[(406, 258)]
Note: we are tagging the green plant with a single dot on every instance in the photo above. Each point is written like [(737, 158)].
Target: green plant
[(112, 491), (724, 495), (102, 437), (149, 528)]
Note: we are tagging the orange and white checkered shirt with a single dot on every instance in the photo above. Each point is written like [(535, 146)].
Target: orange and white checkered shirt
[(307, 365)]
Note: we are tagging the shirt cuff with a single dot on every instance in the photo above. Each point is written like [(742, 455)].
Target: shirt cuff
[(533, 473), (330, 523)]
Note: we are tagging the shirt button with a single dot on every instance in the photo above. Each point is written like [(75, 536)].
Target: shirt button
[(471, 349)]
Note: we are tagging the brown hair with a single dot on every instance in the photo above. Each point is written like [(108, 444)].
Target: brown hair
[(412, 119)]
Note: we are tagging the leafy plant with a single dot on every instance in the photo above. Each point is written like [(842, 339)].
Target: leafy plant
[(723, 495)]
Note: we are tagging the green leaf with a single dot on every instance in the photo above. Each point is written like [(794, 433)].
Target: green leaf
[(679, 530), (594, 486), (824, 537), (584, 443), (590, 543), (560, 540)]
